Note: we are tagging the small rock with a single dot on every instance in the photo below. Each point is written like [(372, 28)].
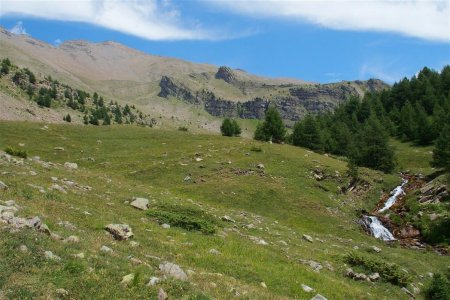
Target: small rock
[(3, 186), (307, 238), (120, 231), (187, 178), (10, 203), (71, 166), (106, 249), (214, 252), (162, 295), (49, 255), (307, 289), (318, 297), (140, 203), (127, 279), (23, 248), (374, 277), (154, 281), (376, 249), (58, 188), (263, 284), (62, 292), (134, 244), (173, 270), (408, 292), (58, 148), (79, 255), (198, 159), (165, 226), (260, 166), (228, 219), (73, 239)]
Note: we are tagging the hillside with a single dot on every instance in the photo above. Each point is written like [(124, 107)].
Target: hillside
[(249, 220), (150, 82)]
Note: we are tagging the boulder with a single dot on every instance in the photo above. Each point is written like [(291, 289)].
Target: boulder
[(120, 231), (73, 239), (376, 249), (260, 166), (153, 281), (228, 219), (318, 297), (173, 270), (50, 256), (162, 295), (140, 203), (106, 249), (127, 279)]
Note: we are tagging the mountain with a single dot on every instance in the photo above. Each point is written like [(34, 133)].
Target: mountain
[(147, 81)]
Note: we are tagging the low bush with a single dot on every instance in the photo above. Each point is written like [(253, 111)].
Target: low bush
[(182, 128), (389, 272), (188, 218), (16, 152)]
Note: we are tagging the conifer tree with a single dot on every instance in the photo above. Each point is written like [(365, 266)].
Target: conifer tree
[(441, 152)]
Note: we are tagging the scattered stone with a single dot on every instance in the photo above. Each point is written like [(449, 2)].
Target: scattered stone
[(23, 248), (62, 292), (140, 203), (73, 239), (79, 255), (187, 178), (134, 244), (70, 166), (165, 226), (154, 281), (318, 297), (58, 148), (173, 270), (307, 238), (408, 292), (214, 252), (162, 295), (106, 249), (374, 277), (127, 279), (260, 166), (307, 289), (228, 219), (263, 284), (49, 255), (58, 188), (376, 249), (120, 231), (3, 186), (10, 203), (135, 261), (284, 243), (198, 159)]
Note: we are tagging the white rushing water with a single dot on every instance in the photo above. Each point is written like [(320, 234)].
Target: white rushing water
[(398, 191), (377, 229)]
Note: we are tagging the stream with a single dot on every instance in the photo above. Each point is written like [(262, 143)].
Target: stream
[(373, 224)]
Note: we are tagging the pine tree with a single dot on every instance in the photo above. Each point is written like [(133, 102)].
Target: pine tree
[(407, 127), (424, 127), (106, 120), (307, 134), (236, 128), (259, 133), (373, 150), (441, 152), (227, 128), (273, 126), (68, 118)]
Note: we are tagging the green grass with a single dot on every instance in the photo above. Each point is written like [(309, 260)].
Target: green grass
[(276, 206)]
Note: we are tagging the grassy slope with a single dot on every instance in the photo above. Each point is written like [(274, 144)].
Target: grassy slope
[(131, 161)]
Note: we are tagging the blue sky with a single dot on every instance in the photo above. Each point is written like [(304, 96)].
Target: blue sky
[(315, 41)]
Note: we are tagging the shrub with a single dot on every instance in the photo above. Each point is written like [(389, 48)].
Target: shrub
[(388, 272), (439, 288), (230, 128), (16, 152), (188, 218), (256, 149), (181, 128)]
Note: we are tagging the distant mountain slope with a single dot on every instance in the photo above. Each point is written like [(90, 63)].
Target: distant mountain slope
[(125, 74)]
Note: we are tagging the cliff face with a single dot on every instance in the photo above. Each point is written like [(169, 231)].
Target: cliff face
[(292, 101)]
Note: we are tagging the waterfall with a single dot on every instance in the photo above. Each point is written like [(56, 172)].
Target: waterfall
[(394, 195), (377, 229)]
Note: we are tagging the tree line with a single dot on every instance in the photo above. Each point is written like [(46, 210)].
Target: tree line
[(413, 110)]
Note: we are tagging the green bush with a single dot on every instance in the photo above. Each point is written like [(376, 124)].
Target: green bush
[(188, 218), (439, 288), (183, 128), (388, 272), (16, 152)]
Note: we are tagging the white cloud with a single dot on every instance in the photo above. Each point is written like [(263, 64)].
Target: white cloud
[(18, 29), (57, 42), (149, 19), (425, 19)]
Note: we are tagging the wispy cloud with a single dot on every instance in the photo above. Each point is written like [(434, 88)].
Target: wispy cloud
[(386, 71), (425, 19), (18, 29), (57, 42), (150, 19)]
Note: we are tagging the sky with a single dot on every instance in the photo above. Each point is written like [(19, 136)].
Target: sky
[(314, 40)]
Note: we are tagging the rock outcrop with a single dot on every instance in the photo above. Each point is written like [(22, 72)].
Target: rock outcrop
[(226, 74)]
